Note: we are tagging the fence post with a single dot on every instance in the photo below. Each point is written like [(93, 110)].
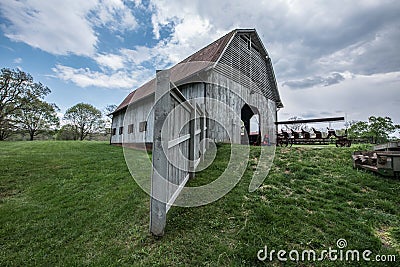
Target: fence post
[(158, 198), (192, 144), (202, 135)]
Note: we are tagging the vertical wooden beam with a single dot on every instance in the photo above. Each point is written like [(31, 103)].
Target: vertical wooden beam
[(202, 135), (192, 143), (158, 198)]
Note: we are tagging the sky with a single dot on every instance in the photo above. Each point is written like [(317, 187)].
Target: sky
[(331, 58)]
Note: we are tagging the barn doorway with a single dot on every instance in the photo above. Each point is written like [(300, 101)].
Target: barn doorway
[(250, 125)]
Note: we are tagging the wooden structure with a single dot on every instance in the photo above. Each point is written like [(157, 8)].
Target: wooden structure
[(206, 97), (384, 160), (235, 70), (391, 146)]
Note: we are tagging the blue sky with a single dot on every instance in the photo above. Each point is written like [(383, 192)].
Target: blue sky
[(331, 58)]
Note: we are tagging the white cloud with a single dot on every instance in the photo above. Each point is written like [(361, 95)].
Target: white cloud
[(86, 77), (114, 15), (332, 78), (296, 33), (138, 55), (17, 60), (64, 27), (190, 30), (187, 37), (111, 61), (355, 97), (57, 27), (138, 3)]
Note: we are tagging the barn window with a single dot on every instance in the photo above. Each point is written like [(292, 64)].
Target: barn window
[(114, 131), (130, 128), (143, 126), (121, 130)]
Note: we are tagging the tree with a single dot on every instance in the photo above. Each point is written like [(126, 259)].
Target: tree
[(6, 128), (85, 119), (398, 129), (108, 117), (17, 89), (358, 129), (38, 116), (380, 128), (109, 109), (67, 132)]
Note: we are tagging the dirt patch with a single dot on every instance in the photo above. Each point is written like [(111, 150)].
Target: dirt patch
[(384, 234)]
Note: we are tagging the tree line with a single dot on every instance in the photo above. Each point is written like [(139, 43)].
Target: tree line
[(24, 110), (377, 129)]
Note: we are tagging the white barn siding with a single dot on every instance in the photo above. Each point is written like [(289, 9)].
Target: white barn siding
[(235, 96), (232, 94), (135, 114)]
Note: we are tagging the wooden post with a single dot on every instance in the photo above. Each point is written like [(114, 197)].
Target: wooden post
[(203, 134), (158, 198), (192, 143)]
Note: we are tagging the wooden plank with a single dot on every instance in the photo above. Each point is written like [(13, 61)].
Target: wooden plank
[(178, 96), (197, 162), (202, 135), (177, 192), (201, 113), (178, 140), (192, 145)]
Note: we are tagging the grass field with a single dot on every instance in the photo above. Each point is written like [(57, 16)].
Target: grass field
[(75, 203)]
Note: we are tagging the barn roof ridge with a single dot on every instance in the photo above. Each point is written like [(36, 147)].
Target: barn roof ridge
[(206, 57)]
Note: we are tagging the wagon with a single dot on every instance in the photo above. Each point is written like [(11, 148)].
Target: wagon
[(385, 160)]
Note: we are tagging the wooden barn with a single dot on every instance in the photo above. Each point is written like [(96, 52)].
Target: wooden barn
[(235, 70)]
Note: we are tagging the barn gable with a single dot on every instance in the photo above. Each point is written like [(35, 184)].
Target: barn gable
[(246, 61), (238, 52)]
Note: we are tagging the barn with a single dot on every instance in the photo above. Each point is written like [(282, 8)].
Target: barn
[(235, 70)]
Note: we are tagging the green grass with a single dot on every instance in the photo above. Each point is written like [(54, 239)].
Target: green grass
[(75, 203)]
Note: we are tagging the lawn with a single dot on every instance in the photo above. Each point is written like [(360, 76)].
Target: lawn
[(75, 203)]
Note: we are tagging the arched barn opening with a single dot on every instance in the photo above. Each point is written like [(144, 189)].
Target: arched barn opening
[(250, 117)]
